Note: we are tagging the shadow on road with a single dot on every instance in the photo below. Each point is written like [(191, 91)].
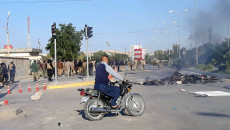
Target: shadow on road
[(81, 112), (227, 87), (213, 114), (4, 94)]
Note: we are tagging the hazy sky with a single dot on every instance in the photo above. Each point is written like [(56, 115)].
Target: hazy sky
[(121, 23)]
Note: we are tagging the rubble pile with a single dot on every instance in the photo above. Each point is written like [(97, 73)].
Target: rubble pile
[(179, 78)]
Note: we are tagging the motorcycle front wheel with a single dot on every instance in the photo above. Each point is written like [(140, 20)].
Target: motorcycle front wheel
[(93, 103), (136, 105)]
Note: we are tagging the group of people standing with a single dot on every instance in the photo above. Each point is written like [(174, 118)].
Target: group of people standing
[(68, 68), (6, 70), (133, 65)]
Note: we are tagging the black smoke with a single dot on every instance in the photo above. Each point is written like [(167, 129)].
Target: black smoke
[(211, 24)]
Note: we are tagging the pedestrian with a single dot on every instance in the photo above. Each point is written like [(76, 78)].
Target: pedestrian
[(72, 68), (49, 70), (60, 68), (54, 65), (141, 64), (135, 64), (79, 65), (34, 69), (75, 66), (84, 68), (40, 69), (4, 71), (44, 69), (131, 64), (67, 65), (12, 69), (90, 68)]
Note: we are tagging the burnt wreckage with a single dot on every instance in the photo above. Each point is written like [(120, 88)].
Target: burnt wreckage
[(179, 78)]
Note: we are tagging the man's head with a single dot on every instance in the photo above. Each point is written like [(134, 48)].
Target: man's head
[(104, 58)]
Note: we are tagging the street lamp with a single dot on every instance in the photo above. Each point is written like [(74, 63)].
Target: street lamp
[(178, 24), (164, 23), (8, 42)]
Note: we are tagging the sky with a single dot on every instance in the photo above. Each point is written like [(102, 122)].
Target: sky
[(120, 22)]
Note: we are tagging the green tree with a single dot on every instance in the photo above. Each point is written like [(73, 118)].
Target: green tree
[(97, 56), (68, 42), (119, 57)]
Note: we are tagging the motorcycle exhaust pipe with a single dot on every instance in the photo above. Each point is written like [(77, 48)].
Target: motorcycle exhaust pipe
[(100, 110)]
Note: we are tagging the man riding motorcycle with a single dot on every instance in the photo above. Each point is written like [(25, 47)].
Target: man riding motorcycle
[(102, 82)]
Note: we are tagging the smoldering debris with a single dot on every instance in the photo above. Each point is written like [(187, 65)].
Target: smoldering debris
[(179, 78)]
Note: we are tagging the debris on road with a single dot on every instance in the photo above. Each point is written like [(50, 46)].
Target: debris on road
[(59, 124), (211, 93), (179, 78), (36, 96), (182, 90), (9, 111)]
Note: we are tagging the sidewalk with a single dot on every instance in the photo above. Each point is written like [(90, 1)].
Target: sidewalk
[(72, 81)]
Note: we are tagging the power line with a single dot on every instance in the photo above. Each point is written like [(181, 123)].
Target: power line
[(132, 32), (42, 1)]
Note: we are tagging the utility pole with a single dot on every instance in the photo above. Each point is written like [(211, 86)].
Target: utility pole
[(28, 31), (228, 31), (53, 29), (179, 35), (197, 58), (178, 20), (8, 38), (88, 34)]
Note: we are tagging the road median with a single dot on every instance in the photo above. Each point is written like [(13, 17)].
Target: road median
[(71, 85)]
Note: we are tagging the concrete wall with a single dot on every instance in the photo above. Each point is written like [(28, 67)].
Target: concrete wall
[(22, 66)]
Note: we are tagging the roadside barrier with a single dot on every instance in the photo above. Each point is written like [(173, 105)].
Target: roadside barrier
[(20, 88), (29, 90), (6, 102), (44, 86), (37, 89), (8, 89)]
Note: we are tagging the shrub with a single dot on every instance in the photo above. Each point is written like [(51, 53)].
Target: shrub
[(204, 67), (208, 67), (200, 66)]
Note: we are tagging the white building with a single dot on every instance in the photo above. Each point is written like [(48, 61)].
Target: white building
[(132, 47), (144, 52), (30, 53)]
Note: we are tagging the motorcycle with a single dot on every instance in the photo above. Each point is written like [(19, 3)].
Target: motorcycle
[(97, 104)]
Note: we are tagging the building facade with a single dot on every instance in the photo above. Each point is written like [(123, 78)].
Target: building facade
[(132, 48)]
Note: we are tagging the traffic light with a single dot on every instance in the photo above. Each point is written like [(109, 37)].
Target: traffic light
[(53, 30), (88, 31)]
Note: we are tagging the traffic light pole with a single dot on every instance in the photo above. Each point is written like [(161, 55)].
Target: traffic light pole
[(87, 58), (55, 58)]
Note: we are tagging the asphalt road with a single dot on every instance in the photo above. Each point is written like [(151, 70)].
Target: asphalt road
[(166, 108)]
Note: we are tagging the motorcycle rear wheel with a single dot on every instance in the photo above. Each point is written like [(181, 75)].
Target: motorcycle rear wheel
[(136, 105), (93, 103)]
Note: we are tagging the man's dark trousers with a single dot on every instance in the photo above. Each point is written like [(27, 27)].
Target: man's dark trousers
[(109, 90), (12, 75)]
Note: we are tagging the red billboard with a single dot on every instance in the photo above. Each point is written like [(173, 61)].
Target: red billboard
[(138, 54)]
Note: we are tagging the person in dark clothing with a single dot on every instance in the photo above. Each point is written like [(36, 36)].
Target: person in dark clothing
[(12, 69), (90, 68), (75, 66), (102, 82), (49, 70), (4, 70), (79, 65)]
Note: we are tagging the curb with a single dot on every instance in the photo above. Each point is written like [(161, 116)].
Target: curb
[(71, 85)]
